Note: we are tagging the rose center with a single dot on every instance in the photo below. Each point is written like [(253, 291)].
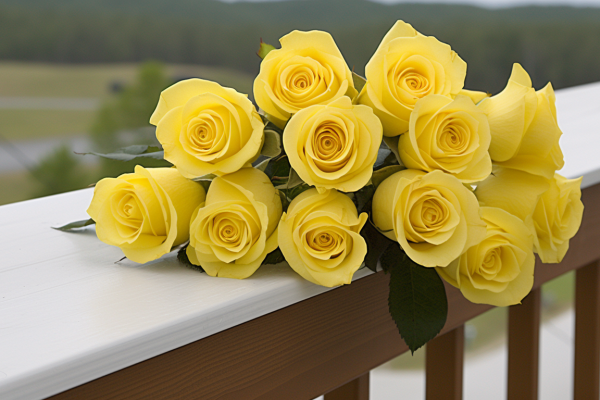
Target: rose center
[(433, 214), (454, 138), (205, 135), (325, 243), (330, 148), (492, 263)]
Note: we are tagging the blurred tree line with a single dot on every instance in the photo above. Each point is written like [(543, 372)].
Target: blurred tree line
[(558, 44)]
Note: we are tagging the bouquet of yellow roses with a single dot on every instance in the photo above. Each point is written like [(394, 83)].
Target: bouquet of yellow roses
[(405, 171)]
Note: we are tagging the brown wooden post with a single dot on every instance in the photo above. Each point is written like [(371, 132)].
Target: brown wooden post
[(444, 366), (587, 333), (356, 389), (523, 347)]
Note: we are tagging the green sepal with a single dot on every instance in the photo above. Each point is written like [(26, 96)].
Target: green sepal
[(358, 81), (75, 226), (131, 153), (264, 49), (417, 299)]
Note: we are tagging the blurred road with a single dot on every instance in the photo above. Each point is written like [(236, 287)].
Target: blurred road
[(18, 155)]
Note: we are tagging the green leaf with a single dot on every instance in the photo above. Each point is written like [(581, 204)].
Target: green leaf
[(392, 143), (264, 49), (74, 226), (359, 81), (183, 258), (131, 153), (381, 174), (296, 190), (293, 181), (262, 164), (274, 257), (205, 178), (417, 299), (278, 170), (272, 144), (377, 243), (362, 197)]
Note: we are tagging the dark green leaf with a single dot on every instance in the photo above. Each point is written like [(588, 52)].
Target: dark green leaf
[(183, 258), (131, 153), (359, 81), (272, 144), (264, 49), (274, 257), (293, 181), (363, 197), (278, 170), (377, 243), (74, 226), (417, 299)]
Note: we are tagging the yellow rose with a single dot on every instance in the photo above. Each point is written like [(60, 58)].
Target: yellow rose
[(308, 69), (320, 237), (514, 191), (334, 146), (146, 213), (207, 129), (474, 95), (433, 216), (406, 67), (449, 135), (557, 218), (523, 125), (499, 270), (233, 232)]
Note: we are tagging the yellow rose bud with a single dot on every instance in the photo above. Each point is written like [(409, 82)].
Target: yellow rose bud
[(334, 146), (433, 216), (406, 67), (233, 232), (146, 213), (207, 129), (320, 237), (499, 270), (557, 218), (308, 69), (523, 125), (449, 135), (514, 191)]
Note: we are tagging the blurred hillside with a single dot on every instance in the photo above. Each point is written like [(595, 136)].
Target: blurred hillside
[(558, 44)]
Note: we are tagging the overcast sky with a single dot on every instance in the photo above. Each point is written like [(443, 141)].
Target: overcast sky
[(487, 3)]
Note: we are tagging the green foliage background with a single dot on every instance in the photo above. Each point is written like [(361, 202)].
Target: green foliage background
[(561, 44)]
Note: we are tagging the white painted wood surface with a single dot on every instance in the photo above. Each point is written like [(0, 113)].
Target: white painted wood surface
[(70, 314)]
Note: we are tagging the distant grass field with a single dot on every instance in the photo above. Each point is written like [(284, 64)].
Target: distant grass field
[(37, 124), (66, 80)]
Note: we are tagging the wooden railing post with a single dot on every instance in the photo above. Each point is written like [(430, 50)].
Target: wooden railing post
[(523, 347), (587, 332), (356, 389), (444, 366)]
